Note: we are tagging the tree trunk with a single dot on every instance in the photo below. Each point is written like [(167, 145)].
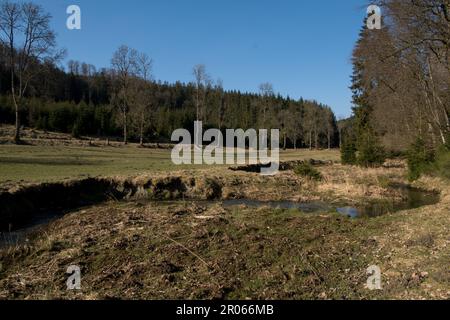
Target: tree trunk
[(125, 133), (316, 139), (310, 140), (142, 131), (198, 102), (264, 116), (433, 137), (16, 105), (329, 141), (17, 130)]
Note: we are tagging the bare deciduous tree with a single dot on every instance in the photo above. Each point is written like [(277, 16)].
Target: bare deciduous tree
[(201, 81), (25, 31), (266, 90), (124, 63), (144, 97)]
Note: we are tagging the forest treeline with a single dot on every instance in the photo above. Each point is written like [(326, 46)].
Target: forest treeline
[(82, 103), (401, 85), (124, 100)]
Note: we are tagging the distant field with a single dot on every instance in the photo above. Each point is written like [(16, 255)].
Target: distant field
[(49, 163)]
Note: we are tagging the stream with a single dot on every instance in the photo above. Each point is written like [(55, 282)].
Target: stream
[(415, 198)]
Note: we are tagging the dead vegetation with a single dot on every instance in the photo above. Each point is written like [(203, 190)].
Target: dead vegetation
[(144, 249)]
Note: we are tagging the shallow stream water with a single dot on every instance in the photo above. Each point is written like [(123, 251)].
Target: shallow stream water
[(415, 198)]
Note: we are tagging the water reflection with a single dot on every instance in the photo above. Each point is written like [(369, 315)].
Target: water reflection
[(414, 198)]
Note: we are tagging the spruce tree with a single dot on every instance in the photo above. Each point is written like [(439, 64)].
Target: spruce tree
[(369, 151), (348, 149)]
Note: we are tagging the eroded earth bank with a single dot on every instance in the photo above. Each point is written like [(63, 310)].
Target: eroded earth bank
[(174, 236)]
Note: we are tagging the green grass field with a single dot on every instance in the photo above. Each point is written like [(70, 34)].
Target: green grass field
[(50, 163)]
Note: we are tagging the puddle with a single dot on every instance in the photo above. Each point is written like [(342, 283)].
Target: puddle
[(415, 199)]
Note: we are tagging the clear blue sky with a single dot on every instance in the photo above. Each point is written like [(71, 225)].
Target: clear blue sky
[(302, 47)]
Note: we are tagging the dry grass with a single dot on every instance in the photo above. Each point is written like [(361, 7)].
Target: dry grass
[(174, 250), (348, 183)]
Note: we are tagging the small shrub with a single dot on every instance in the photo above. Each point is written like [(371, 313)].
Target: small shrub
[(441, 164), (420, 157), (370, 152), (308, 171)]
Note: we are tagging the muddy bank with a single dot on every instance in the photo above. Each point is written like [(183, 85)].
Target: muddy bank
[(18, 207)]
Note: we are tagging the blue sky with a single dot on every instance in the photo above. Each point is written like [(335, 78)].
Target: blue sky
[(302, 47)]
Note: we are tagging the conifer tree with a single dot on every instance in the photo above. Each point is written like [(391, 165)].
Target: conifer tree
[(369, 151)]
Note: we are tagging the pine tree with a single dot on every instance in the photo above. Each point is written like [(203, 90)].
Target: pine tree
[(369, 151), (348, 149)]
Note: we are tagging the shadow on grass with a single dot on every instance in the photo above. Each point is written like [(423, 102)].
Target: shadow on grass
[(51, 162)]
